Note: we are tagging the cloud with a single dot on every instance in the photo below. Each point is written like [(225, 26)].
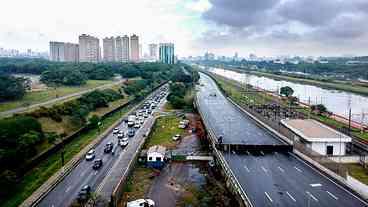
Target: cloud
[(288, 23)]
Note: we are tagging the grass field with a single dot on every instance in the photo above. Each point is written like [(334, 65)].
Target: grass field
[(138, 184), (163, 131), (358, 172), (45, 169), (48, 94)]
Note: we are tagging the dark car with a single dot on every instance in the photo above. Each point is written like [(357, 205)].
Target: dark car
[(108, 147), (97, 164), (131, 133), (84, 193)]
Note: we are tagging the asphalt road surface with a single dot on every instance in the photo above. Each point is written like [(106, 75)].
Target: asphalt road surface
[(275, 179), (83, 174)]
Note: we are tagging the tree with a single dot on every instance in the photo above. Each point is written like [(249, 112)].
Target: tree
[(286, 91), (13, 87), (320, 108), (93, 121)]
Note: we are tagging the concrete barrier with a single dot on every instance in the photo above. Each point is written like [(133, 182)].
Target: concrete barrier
[(229, 174)]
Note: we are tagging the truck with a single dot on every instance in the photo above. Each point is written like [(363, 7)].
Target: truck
[(131, 120)]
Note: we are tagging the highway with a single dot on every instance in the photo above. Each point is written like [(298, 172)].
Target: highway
[(274, 179), (83, 174)]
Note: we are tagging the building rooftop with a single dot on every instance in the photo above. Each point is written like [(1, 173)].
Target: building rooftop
[(157, 148), (314, 131)]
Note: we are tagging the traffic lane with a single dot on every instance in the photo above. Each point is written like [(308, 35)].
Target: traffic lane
[(239, 129), (284, 180), (83, 174), (109, 183), (67, 190)]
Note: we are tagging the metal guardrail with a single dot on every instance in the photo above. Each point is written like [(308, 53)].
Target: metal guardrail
[(228, 172)]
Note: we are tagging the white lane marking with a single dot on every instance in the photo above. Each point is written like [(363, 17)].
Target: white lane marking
[(290, 196), (268, 197), (332, 195), (329, 179), (316, 185), (312, 196), (264, 169), (298, 169), (68, 189), (282, 170), (246, 168)]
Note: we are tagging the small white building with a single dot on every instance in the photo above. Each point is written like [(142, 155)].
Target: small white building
[(317, 136), (156, 156)]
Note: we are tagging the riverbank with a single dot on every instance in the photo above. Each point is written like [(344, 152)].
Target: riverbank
[(327, 85), (234, 90)]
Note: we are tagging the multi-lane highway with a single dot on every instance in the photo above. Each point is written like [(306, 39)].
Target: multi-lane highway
[(274, 179), (83, 174)]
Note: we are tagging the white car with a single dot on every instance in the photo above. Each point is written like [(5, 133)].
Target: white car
[(90, 155), (120, 135), (176, 137), (123, 142), (115, 131), (141, 203), (137, 125)]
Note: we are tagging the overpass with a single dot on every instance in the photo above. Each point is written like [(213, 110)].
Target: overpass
[(261, 168)]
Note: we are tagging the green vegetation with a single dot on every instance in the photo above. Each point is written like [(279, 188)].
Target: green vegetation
[(69, 116), (35, 97), (232, 89), (286, 91), (45, 169), (12, 87), (138, 183), (164, 129), (79, 108), (358, 172), (181, 89), (338, 85)]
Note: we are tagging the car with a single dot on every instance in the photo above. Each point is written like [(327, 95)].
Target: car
[(90, 155), (84, 193), (176, 137), (137, 125), (149, 111), (141, 203), (131, 133), (108, 147), (123, 142), (115, 131), (120, 135), (141, 121), (145, 115), (97, 164)]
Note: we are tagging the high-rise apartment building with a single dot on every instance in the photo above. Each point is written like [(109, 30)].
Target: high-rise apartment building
[(109, 49), (64, 52), (166, 52), (134, 48), (126, 49), (153, 49), (89, 49), (119, 49)]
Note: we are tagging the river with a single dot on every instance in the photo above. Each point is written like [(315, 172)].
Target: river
[(336, 101)]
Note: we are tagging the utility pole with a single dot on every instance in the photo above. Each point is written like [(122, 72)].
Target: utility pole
[(349, 106)]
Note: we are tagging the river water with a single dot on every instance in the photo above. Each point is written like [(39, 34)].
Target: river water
[(336, 101)]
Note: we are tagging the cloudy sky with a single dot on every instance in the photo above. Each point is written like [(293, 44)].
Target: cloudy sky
[(263, 27)]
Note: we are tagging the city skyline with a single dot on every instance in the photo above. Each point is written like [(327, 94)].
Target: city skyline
[(267, 28)]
